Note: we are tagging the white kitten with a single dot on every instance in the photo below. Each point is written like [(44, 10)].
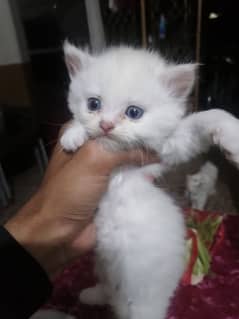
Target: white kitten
[(201, 185), (129, 98)]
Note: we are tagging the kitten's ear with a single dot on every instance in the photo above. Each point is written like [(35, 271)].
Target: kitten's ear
[(76, 59), (179, 79)]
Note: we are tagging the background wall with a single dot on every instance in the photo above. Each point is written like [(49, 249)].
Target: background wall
[(11, 35), (14, 71)]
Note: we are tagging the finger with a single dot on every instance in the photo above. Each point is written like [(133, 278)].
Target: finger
[(85, 241), (137, 157), (99, 158)]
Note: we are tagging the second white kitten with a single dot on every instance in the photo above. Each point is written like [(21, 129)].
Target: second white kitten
[(201, 185)]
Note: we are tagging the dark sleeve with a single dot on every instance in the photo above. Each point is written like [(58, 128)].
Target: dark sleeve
[(24, 285)]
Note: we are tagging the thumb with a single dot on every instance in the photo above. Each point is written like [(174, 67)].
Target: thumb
[(85, 241), (136, 157)]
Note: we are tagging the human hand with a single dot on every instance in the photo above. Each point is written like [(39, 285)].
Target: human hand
[(55, 226)]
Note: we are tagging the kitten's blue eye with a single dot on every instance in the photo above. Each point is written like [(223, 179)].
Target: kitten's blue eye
[(94, 104), (134, 112)]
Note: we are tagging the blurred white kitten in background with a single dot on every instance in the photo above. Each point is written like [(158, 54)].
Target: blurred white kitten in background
[(200, 186)]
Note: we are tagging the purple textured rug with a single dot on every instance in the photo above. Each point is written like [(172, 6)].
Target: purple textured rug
[(216, 297)]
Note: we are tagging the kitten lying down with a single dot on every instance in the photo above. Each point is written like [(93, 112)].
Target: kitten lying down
[(129, 98)]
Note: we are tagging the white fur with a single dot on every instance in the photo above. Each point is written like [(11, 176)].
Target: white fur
[(140, 231), (140, 249), (74, 137), (201, 185), (197, 132)]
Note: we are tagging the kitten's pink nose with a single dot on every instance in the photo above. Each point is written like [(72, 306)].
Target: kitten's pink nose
[(106, 126)]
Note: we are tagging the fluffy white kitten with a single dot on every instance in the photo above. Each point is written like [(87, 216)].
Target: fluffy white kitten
[(201, 185), (129, 98)]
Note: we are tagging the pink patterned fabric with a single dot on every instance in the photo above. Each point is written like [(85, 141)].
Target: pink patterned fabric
[(217, 297)]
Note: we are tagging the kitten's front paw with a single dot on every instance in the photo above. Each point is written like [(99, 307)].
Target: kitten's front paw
[(73, 138)]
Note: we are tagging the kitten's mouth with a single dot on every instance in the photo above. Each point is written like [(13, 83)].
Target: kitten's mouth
[(109, 143), (111, 140), (105, 134), (107, 137)]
